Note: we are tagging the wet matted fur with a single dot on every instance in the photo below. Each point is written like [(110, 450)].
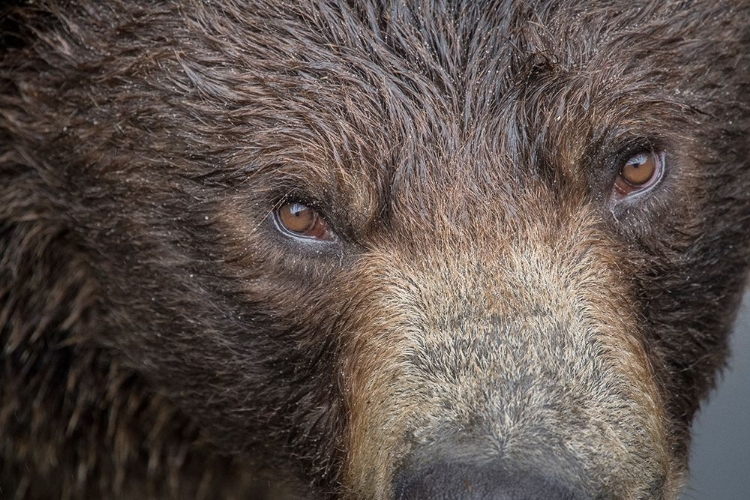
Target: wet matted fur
[(488, 314)]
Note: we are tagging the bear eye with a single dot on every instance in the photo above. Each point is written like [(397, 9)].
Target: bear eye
[(302, 221), (641, 172)]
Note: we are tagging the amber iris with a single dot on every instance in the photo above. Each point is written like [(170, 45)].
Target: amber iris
[(302, 220), (639, 172)]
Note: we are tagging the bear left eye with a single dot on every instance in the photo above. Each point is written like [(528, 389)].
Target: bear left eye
[(302, 221), (640, 173)]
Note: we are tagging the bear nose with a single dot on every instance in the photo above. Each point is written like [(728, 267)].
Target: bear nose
[(460, 481)]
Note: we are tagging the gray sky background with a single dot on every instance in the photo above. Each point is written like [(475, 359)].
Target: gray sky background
[(720, 462)]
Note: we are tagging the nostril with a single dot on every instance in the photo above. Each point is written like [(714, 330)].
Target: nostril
[(460, 481)]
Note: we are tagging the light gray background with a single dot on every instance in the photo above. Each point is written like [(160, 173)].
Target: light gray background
[(720, 463)]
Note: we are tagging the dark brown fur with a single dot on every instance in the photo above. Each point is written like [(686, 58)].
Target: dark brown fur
[(484, 297)]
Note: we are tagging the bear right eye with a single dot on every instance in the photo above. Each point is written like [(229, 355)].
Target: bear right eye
[(302, 221), (639, 174)]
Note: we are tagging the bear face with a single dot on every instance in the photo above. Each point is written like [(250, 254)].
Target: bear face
[(391, 250)]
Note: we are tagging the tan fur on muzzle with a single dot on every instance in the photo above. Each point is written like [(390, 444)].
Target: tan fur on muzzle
[(513, 342)]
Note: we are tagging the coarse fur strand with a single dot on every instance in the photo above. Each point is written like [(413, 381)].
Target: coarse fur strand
[(484, 298)]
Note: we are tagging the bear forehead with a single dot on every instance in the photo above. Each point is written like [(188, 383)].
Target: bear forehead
[(364, 103)]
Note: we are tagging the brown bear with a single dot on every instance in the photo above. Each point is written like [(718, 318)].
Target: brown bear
[(360, 249)]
